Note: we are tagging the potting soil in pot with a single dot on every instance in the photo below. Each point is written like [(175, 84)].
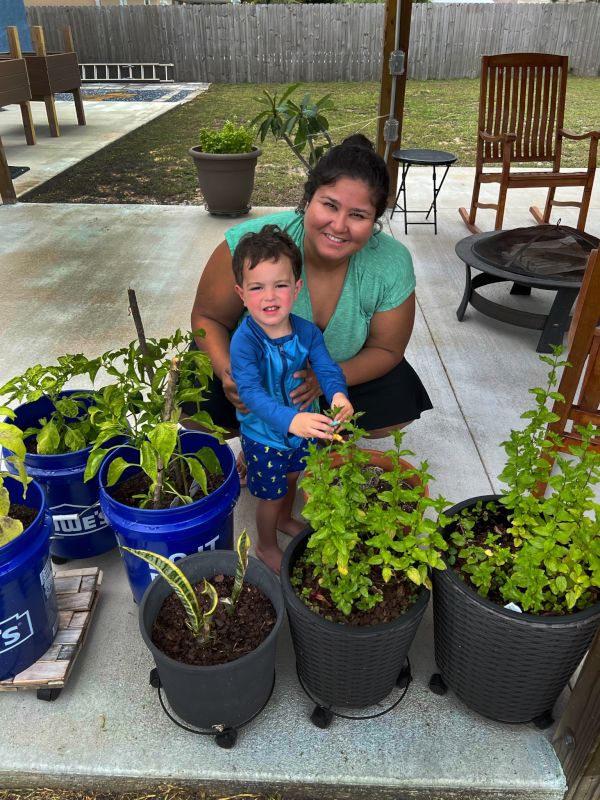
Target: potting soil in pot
[(129, 490), (232, 635), (24, 514), (496, 522), (397, 596)]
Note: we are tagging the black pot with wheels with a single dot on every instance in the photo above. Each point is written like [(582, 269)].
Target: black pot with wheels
[(506, 665), (346, 665), (222, 697)]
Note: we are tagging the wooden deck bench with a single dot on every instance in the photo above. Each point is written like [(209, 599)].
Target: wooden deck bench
[(14, 83)]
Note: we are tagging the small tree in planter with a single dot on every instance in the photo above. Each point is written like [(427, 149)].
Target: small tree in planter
[(359, 581), (213, 642), (165, 491), (525, 577)]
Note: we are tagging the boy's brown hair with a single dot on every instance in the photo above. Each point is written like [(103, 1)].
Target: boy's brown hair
[(268, 244)]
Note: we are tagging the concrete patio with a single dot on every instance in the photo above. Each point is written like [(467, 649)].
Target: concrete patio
[(66, 270)]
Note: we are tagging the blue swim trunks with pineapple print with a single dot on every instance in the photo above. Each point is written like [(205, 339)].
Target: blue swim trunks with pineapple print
[(268, 467)]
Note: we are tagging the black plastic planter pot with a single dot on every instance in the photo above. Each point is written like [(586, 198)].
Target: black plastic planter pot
[(508, 666), (226, 695), (345, 665)]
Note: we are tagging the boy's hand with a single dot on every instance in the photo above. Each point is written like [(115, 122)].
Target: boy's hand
[(309, 426), (344, 406)]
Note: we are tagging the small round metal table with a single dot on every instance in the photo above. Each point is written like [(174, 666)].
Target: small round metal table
[(421, 158)]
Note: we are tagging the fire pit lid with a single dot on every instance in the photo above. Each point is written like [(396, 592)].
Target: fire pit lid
[(550, 251)]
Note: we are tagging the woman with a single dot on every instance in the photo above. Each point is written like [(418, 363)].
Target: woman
[(358, 288)]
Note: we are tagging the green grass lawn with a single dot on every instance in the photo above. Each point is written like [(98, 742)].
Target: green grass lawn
[(151, 164)]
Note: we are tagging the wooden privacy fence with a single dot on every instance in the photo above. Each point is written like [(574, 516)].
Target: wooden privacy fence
[(283, 43)]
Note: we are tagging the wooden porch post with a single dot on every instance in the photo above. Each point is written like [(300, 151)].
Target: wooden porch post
[(577, 737), (385, 92)]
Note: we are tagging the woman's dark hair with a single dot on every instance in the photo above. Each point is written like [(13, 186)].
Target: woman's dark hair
[(270, 243), (354, 158)]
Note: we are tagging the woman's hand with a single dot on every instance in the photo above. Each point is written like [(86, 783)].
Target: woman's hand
[(311, 426), (308, 391), (231, 392)]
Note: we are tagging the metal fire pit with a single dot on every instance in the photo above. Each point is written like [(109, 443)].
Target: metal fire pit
[(550, 257)]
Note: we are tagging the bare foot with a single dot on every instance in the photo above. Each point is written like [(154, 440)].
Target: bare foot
[(271, 556), (290, 526)]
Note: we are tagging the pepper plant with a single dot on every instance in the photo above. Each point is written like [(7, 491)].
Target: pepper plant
[(362, 526), (68, 427), (13, 447), (198, 619), (143, 404), (541, 553)]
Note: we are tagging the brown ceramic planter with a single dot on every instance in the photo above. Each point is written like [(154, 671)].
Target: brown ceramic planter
[(226, 180)]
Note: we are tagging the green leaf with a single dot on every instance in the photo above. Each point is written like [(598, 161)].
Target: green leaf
[(164, 439), (48, 439), (413, 575), (74, 440), (198, 474), (115, 470), (94, 461), (209, 458), (149, 461), (9, 530)]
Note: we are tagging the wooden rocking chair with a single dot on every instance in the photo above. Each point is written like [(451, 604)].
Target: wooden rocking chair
[(580, 383), (521, 113)]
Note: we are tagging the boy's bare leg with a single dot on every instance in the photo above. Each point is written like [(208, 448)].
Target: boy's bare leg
[(267, 549), (285, 521)]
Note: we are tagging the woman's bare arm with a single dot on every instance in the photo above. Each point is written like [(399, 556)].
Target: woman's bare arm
[(384, 348), (217, 309), (389, 334)]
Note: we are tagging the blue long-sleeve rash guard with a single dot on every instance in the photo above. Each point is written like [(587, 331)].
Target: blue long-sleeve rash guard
[(263, 370)]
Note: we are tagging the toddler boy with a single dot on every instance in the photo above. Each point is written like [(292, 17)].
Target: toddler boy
[(269, 346)]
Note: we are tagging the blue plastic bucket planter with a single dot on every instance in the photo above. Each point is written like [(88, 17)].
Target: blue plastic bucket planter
[(80, 529), (28, 608), (206, 524)]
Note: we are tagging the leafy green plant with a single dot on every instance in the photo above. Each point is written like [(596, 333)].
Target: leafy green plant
[(300, 124), (68, 427), (231, 138), (11, 442), (360, 527), (144, 405), (541, 553), (198, 620)]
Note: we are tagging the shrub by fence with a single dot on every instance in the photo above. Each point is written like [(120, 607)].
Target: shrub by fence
[(243, 43)]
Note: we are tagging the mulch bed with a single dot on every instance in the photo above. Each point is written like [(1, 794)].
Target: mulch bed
[(232, 635)]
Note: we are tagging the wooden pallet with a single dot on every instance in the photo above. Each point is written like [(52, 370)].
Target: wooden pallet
[(77, 595)]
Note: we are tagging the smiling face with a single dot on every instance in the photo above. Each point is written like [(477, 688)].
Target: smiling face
[(268, 292), (338, 221)]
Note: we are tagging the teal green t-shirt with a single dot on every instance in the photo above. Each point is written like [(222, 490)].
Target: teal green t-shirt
[(380, 277)]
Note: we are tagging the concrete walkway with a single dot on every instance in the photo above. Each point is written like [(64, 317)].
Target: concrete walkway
[(66, 270)]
